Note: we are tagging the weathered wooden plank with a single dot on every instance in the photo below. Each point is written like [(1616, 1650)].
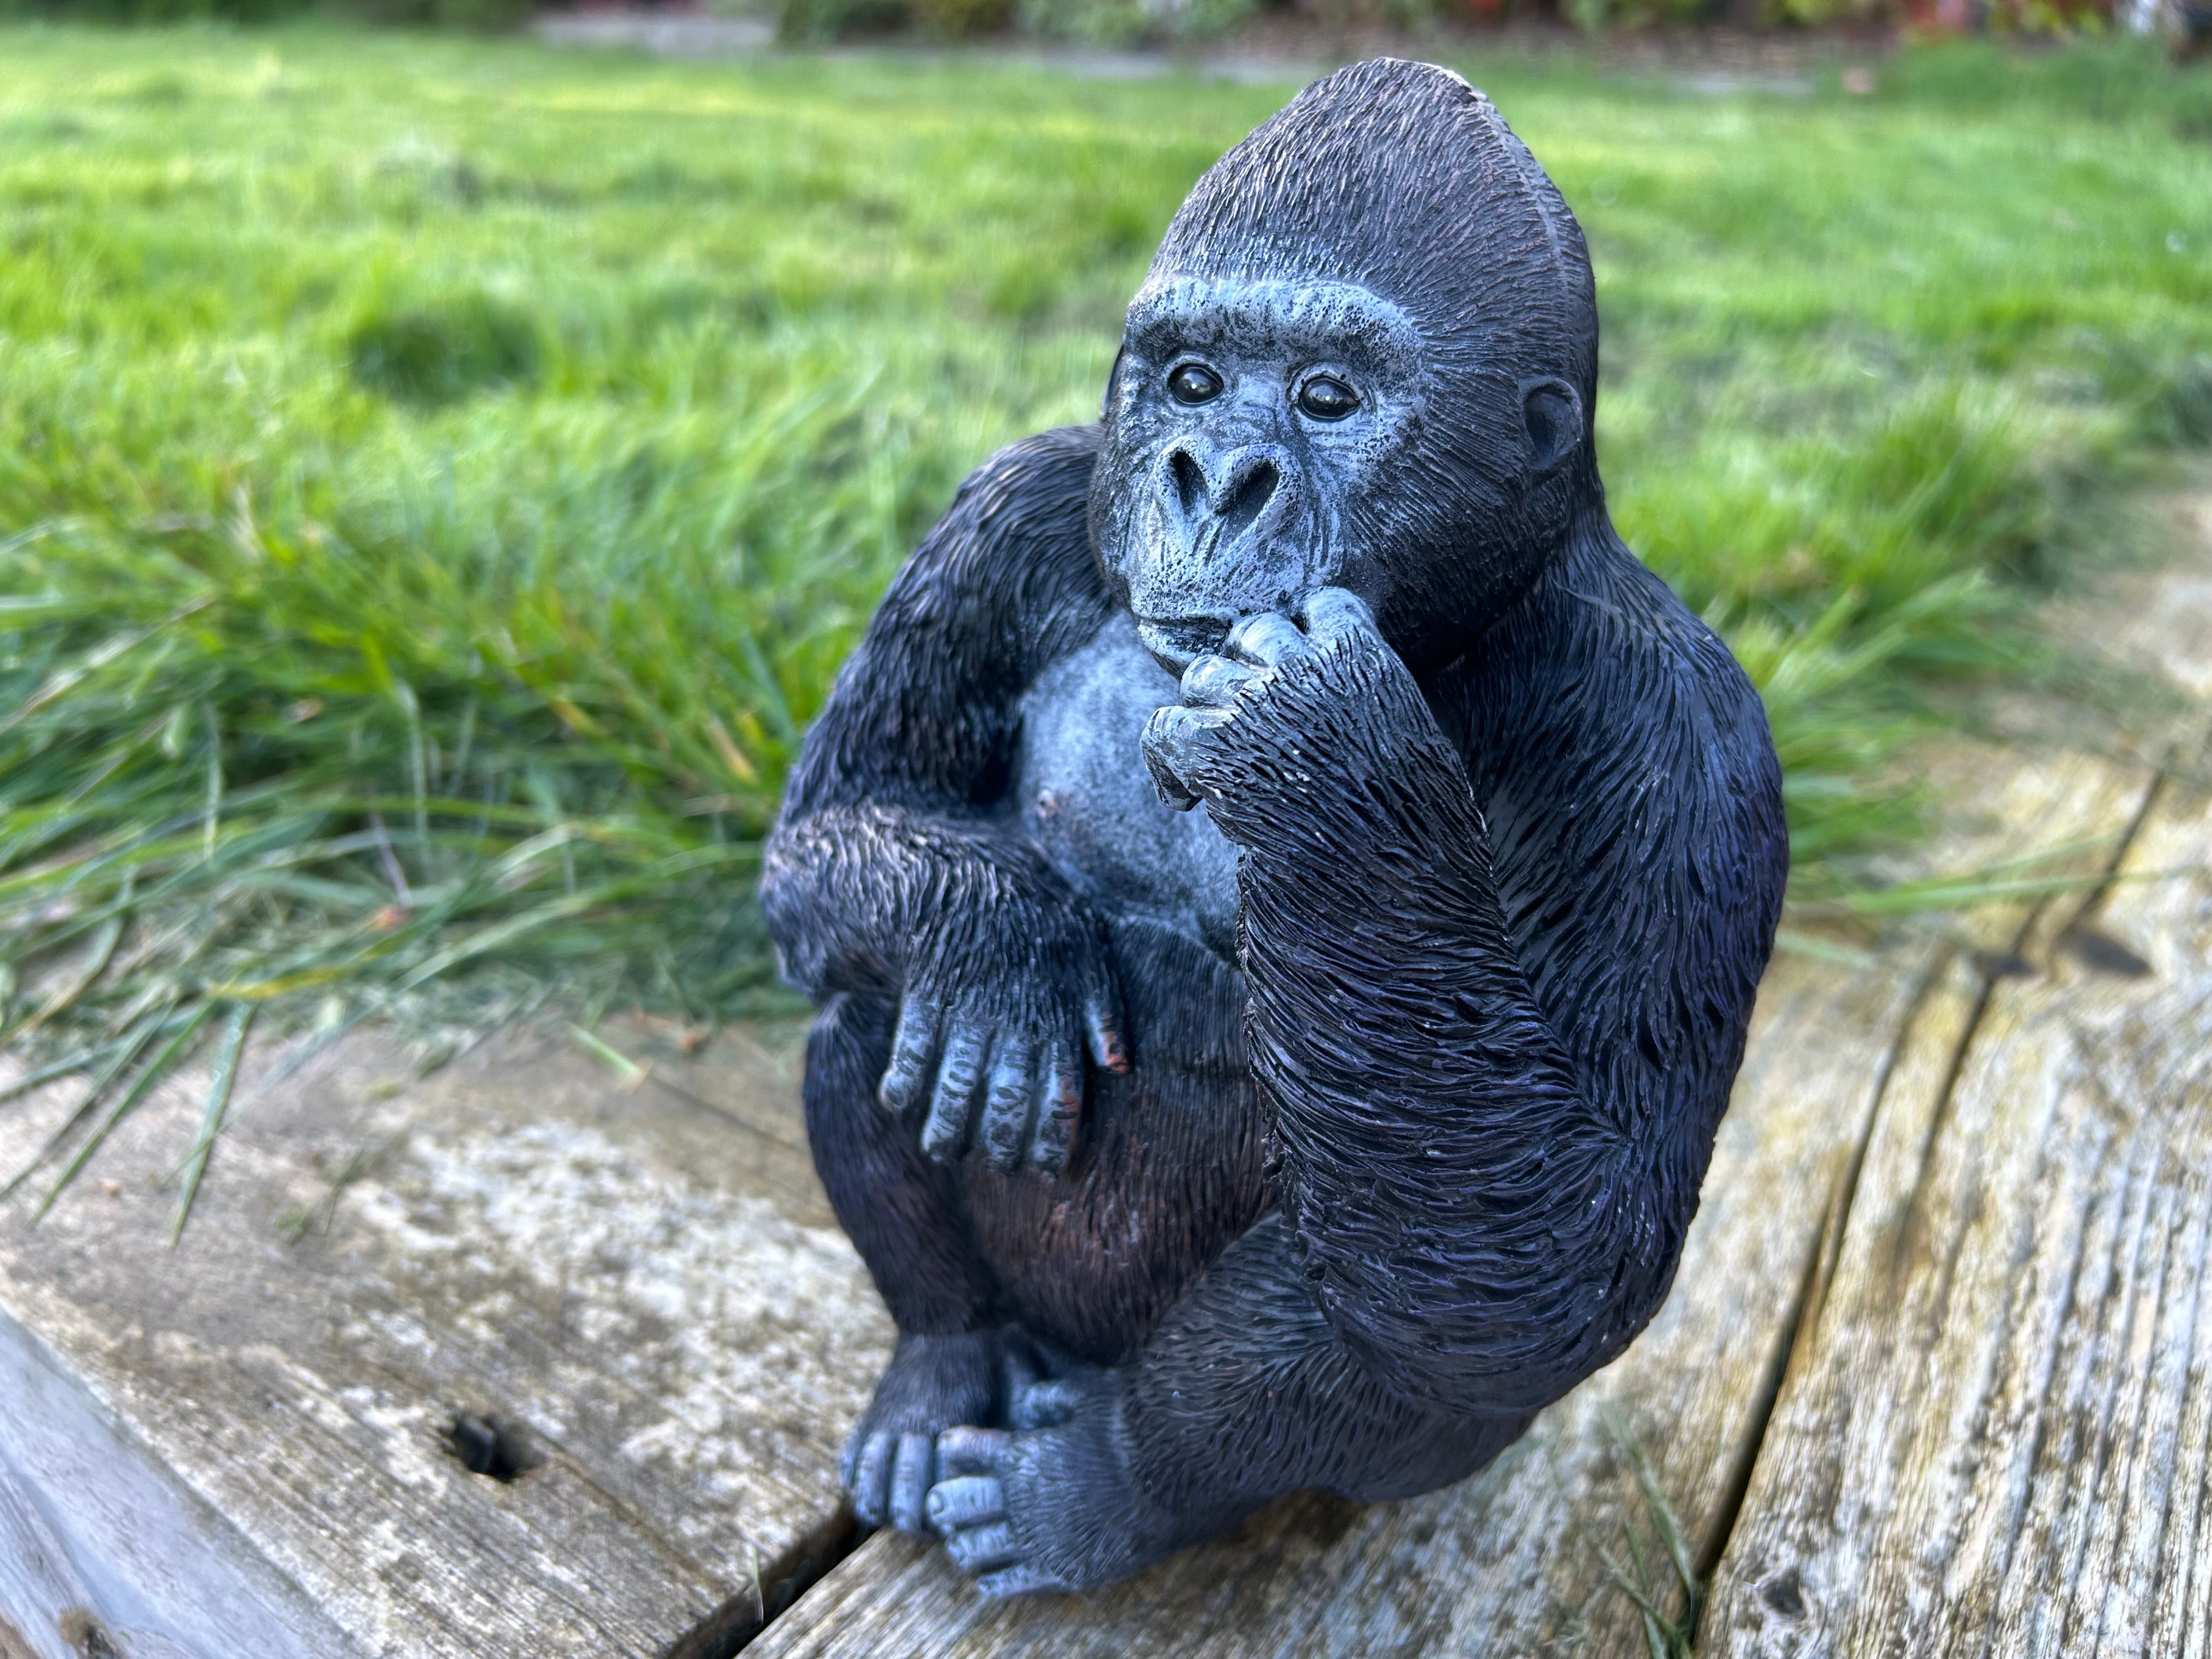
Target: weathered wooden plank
[(642, 1286), (1994, 1439), (88, 1521), (1523, 1560)]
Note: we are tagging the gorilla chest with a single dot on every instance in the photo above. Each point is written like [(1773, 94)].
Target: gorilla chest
[(1087, 801)]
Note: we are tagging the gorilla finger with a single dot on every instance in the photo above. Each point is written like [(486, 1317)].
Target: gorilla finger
[(911, 1479), (871, 1480), (966, 1450), (1102, 1030), (907, 1078), (1022, 1579), (1336, 616), (1267, 637), (979, 1549), (1175, 725), (1166, 785), (945, 1133), (1214, 682), (1005, 1125), (1060, 1107), (965, 1502), (1173, 746)]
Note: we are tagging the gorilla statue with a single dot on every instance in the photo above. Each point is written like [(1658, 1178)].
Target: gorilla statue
[(1320, 1138)]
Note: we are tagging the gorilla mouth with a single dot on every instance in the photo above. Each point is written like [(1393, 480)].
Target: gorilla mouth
[(1178, 641)]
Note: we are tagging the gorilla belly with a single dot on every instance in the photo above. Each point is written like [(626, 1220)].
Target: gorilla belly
[(1087, 800), (1167, 1171)]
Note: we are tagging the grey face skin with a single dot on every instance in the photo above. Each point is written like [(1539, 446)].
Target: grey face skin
[(1249, 419), (1259, 436)]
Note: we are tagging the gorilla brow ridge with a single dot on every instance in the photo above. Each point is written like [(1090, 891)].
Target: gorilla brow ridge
[(1200, 313)]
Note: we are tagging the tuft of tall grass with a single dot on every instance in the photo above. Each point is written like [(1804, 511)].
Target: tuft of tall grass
[(439, 480)]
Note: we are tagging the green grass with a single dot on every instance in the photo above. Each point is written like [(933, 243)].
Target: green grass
[(438, 480)]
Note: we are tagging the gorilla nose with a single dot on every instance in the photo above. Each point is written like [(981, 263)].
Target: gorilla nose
[(1235, 490)]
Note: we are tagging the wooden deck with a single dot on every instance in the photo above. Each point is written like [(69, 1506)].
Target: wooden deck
[(1935, 1377)]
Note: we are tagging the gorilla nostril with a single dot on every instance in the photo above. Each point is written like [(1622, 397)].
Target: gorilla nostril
[(1247, 498), (1189, 482)]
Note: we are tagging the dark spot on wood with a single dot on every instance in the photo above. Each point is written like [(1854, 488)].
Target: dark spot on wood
[(2004, 964), (1321, 1518), (492, 1446), (89, 1637), (1782, 1592), (2102, 953)]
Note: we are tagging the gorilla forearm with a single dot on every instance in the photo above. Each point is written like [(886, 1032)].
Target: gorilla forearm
[(848, 891), (1462, 1209)]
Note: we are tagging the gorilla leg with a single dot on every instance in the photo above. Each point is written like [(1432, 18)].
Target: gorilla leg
[(901, 1212), (1244, 1394)]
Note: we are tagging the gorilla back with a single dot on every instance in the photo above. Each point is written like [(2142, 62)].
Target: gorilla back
[(1320, 1135)]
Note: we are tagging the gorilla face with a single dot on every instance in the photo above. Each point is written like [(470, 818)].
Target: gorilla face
[(1364, 358), (1250, 430)]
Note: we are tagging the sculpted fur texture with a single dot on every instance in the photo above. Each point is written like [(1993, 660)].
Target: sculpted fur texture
[(1284, 887)]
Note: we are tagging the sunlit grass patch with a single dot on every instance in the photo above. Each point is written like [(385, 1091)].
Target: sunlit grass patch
[(438, 480)]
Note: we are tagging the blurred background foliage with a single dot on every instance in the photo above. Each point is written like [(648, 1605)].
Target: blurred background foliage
[(438, 479), (1129, 23)]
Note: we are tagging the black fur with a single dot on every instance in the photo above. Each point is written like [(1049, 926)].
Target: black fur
[(1197, 1170)]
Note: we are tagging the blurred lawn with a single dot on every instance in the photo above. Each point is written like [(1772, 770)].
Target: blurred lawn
[(438, 479)]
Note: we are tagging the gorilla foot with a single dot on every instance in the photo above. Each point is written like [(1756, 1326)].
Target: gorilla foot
[(1049, 1509), (931, 1384)]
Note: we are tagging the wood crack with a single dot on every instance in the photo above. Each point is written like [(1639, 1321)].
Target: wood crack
[(794, 1573), (1813, 1283), (1762, 1412), (2022, 938)]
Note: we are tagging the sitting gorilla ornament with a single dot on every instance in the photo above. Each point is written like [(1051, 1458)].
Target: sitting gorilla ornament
[(1319, 1138)]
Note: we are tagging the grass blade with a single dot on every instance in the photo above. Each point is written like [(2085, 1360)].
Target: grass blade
[(233, 1044), (154, 1070), (127, 1051), (83, 1060), (103, 951)]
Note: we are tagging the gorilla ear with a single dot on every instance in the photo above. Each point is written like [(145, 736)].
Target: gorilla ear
[(1552, 412)]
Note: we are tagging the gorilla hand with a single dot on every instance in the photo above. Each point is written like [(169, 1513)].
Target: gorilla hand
[(1286, 707), (1001, 1000)]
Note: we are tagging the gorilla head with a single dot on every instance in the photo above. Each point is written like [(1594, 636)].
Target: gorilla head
[(1365, 356)]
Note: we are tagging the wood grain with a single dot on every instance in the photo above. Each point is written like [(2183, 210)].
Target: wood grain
[(644, 1284), (1528, 1558), (1995, 1437)]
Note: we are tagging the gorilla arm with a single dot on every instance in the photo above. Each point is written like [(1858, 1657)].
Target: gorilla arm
[(1458, 1205), (1492, 1131), (888, 874)]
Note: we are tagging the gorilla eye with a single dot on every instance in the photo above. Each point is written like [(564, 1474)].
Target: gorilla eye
[(1327, 398), (1193, 383)]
